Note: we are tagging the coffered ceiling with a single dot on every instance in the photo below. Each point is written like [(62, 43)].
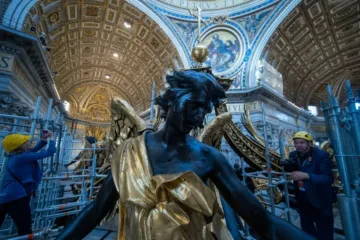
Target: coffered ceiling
[(318, 43), (95, 56)]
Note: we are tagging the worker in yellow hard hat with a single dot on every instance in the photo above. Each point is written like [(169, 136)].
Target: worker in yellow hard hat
[(21, 177), (310, 169), (13, 142), (305, 136)]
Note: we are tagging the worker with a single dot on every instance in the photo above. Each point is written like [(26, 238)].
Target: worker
[(21, 177), (311, 172)]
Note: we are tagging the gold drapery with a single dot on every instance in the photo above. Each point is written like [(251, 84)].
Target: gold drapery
[(162, 207)]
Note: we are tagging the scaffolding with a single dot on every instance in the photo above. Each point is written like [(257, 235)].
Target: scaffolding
[(344, 132), (54, 199), (274, 179)]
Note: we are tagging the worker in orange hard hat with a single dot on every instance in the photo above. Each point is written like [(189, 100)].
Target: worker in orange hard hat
[(310, 169), (21, 177)]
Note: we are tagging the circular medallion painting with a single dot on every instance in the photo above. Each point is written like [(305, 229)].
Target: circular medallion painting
[(224, 50)]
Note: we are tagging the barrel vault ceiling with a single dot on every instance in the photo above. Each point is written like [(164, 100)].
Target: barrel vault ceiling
[(318, 43), (95, 57)]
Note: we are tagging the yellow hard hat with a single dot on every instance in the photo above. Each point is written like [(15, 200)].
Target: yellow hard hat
[(13, 141), (303, 135)]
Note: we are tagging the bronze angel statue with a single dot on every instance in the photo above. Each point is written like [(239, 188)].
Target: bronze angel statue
[(159, 179)]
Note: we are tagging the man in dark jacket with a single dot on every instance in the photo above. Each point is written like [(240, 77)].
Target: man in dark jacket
[(310, 169)]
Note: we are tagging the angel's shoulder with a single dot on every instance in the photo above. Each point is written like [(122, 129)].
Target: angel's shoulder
[(206, 150)]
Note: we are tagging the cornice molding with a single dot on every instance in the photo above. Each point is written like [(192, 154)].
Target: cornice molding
[(266, 94), (29, 48)]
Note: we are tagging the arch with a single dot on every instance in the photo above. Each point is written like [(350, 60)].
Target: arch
[(91, 95), (15, 14), (148, 11), (73, 108), (106, 108), (73, 100), (120, 92), (258, 48)]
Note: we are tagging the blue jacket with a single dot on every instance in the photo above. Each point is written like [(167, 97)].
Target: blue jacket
[(25, 167), (318, 188)]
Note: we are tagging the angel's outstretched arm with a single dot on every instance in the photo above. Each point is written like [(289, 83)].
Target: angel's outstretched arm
[(93, 213), (233, 222), (265, 224)]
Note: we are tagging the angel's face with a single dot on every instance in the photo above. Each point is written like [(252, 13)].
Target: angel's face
[(190, 111)]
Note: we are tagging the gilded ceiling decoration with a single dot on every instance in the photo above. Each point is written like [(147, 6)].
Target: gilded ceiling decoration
[(96, 54), (318, 43), (92, 101)]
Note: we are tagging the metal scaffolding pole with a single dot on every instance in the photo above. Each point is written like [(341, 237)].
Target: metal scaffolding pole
[(283, 176), (333, 116), (267, 156), (93, 172), (355, 117), (344, 137), (281, 148), (35, 116), (286, 195)]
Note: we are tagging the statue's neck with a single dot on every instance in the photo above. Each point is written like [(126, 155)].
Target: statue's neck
[(170, 136)]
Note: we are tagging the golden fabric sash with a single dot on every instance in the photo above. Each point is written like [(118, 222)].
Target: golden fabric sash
[(161, 207)]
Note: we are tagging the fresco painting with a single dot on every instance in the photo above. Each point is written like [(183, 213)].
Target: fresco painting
[(224, 50)]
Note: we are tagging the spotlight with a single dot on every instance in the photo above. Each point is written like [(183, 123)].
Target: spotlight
[(66, 106), (127, 23), (115, 55), (107, 76)]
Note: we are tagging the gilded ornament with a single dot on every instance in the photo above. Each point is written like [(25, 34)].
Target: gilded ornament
[(54, 17), (200, 53), (88, 33), (92, 11), (220, 19), (100, 98)]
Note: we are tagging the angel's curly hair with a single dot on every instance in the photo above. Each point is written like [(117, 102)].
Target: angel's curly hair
[(190, 81)]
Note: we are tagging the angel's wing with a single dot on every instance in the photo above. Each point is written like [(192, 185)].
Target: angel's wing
[(157, 119), (246, 121), (125, 123), (214, 131)]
